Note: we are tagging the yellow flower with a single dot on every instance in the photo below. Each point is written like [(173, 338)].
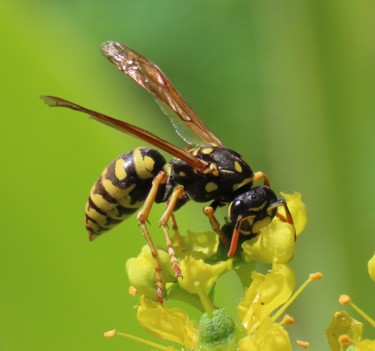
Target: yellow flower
[(203, 261), (265, 294), (197, 244), (343, 324), (275, 242), (205, 274), (371, 267), (141, 271), (269, 337), (297, 209), (171, 324)]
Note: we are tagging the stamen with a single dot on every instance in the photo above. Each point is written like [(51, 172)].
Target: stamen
[(287, 320), (132, 291), (345, 340), (112, 333), (312, 277), (346, 300), (304, 344)]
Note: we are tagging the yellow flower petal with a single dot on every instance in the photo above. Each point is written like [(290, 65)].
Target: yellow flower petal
[(141, 271), (196, 270), (265, 294), (248, 343), (170, 324), (297, 209), (197, 244), (268, 337), (343, 324), (365, 345), (371, 267), (276, 242), (274, 338)]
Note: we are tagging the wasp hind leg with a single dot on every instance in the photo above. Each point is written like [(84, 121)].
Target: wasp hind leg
[(142, 217), (177, 194)]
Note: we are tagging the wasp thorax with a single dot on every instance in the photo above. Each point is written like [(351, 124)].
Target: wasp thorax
[(229, 173)]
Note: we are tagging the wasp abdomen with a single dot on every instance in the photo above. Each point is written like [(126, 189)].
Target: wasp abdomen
[(122, 189)]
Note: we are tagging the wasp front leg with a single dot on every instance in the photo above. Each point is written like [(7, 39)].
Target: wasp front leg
[(262, 176), (288, 216), (209, 211)]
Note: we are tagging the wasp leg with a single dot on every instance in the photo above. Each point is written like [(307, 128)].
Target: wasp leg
[(261, 175), (235, 236), (178, 241), (209, 212), (176, 230), (168, 213), (288, 216), (142, 219)]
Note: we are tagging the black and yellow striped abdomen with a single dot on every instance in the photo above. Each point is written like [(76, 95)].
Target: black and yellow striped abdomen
[(122, 189)]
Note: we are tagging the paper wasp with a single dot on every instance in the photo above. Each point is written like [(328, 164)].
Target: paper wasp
[(205, 171)]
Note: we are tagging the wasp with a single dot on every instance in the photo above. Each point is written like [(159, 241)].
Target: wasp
[(205, 171)]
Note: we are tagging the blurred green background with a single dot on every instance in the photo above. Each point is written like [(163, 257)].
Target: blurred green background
[(289, 84)]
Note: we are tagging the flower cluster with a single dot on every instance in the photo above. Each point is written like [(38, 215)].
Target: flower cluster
[(259, 321), (344, 332)]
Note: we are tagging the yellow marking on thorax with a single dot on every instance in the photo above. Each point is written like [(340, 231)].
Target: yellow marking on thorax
[(143, 165), (119, 169), (207, 150), (211, 186), (237, 167)]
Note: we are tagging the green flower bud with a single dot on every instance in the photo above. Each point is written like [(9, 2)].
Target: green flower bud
[(216, 329)]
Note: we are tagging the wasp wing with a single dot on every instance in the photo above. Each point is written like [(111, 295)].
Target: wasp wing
[(127, 128), (151, 78)]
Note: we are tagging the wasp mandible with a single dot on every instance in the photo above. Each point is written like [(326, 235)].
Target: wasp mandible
[(205, 171)]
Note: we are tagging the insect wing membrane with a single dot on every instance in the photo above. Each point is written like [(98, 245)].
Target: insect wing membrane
[(151, 78)]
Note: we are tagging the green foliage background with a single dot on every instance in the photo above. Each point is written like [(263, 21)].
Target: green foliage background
[(289, 84)]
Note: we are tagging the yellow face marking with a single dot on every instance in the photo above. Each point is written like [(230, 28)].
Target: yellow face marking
[(261, 207), (237, 167), (195, 152), (210, 186), (207, 150), (119, 169), (258, 225), (250, 220), (182, 174), (143, 165)]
